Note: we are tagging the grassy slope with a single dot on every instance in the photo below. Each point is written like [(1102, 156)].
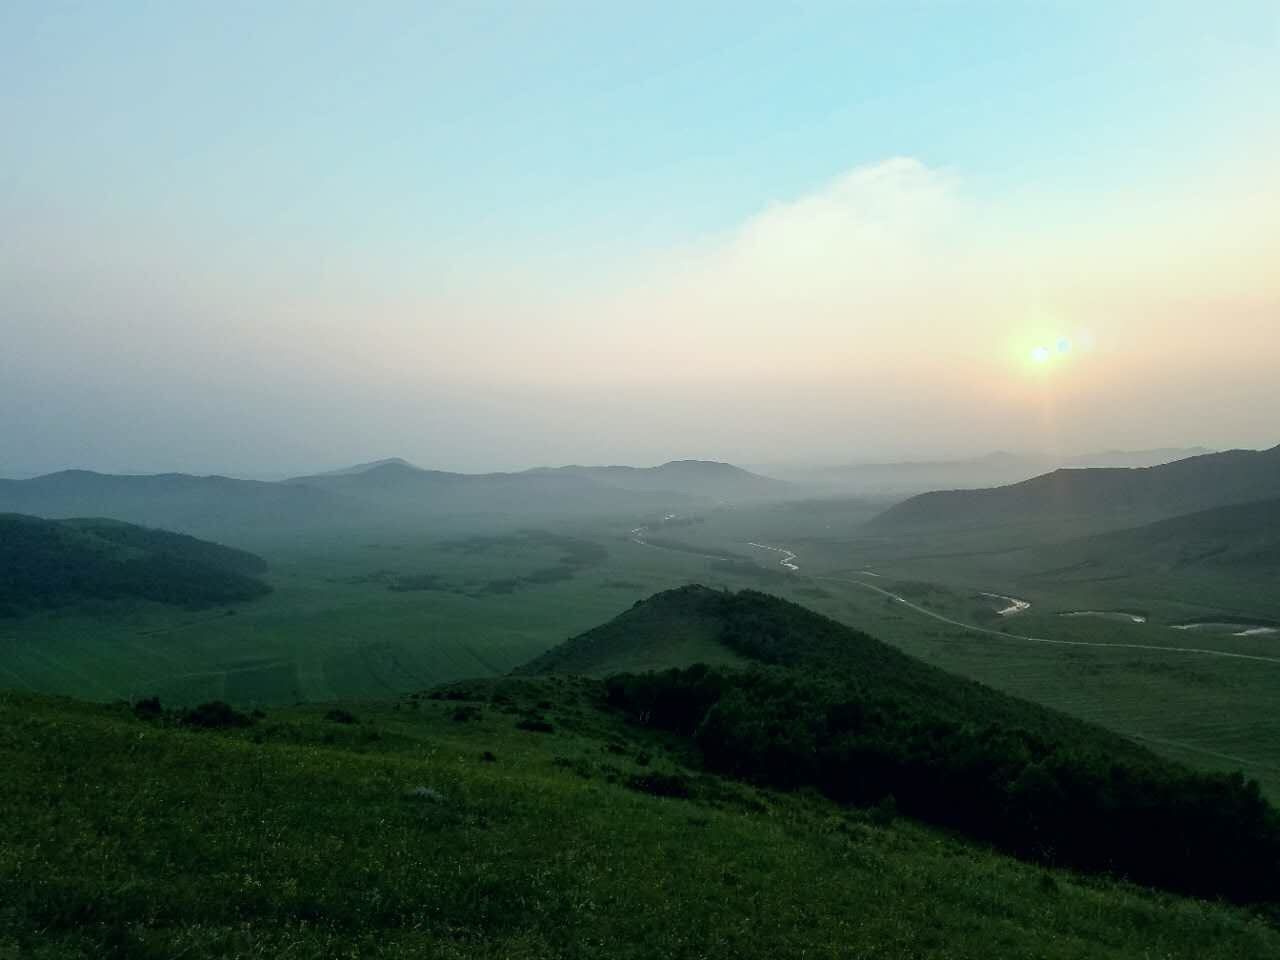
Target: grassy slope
[(295, 837), (58, 563), (653, 635), (1096, 498), (1241, 541)]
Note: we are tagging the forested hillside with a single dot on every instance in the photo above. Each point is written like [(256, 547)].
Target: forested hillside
[(56, 563)]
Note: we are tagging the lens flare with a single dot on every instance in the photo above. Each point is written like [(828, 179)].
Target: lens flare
[(1064, 345), (1040, 354)]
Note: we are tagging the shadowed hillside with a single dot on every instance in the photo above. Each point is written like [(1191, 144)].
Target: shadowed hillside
[(56, 563), (1099, 498), (1242, 540)]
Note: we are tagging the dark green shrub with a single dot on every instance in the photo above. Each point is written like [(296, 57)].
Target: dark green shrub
[(535, 724), (214, 715)]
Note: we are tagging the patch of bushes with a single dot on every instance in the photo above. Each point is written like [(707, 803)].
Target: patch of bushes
[(1059, 800), (214, 715), (338, 715)]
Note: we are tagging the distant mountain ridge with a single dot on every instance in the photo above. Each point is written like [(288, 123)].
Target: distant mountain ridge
[(992, 469), (177, 501), (1114, 496), (710, 478), (386, 492), (366, 467)]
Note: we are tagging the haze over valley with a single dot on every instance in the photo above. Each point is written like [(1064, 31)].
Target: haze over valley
[(565, 481)]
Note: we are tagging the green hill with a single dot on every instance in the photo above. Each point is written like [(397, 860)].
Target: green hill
[(674, 629), (57, 563), (826, 706), (1094, 499), (501, 819), (1242, 540)]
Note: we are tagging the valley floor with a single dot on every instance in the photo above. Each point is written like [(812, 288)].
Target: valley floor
[(366, 617)]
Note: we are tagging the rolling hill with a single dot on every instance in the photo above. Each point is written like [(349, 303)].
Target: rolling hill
[(57, 563), (381, 494), (696, 624), (398, 487), (1094, 498), (1242, 540), (822, 705)]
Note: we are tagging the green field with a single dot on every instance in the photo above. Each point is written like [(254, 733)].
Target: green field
[(365, 617), (440, 828)]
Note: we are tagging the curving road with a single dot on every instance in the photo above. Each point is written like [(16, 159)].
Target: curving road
[(1064, 643)]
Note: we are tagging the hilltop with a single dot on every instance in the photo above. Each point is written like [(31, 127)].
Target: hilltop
[(58, 563), (1096, 498), (366, 467)]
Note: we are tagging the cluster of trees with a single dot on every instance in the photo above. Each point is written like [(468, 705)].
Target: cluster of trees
[(826, 706), (54, 563), (1062, 801)]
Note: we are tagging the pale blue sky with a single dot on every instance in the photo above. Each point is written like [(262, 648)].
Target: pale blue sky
[(421, 149)]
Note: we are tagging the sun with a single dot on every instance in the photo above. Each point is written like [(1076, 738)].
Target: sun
[(1039, 355)]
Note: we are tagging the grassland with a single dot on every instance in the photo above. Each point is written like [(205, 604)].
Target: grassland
[(367, 617), (440, 828)]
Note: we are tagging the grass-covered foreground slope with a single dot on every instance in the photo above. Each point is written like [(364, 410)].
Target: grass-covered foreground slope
[(516, 819), (829, 707), (57, 563)]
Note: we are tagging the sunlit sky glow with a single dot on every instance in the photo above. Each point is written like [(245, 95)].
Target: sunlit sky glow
[(263, 238)]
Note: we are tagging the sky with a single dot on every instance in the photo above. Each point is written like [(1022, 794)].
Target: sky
[(263, 239)]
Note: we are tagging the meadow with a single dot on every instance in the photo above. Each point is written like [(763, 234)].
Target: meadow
[(512, 818), (366, 617)]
